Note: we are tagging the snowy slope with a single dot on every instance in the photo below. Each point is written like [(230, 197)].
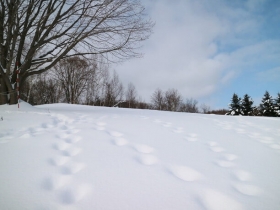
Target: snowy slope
[(74, 157)]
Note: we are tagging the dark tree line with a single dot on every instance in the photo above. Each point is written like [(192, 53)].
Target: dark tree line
[(268, 107)]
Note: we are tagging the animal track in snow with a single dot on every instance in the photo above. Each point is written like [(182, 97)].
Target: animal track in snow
[(212, 143), (229, 157), (60, 146), (73, 194), (148, 159), (185, 173), (143, 148), (62, 135), (178, 130), (191, 137), (55, 182), (120, 141), (225, 164), (214, 200), (242, 175), (217, 149), (72, 168), (73, 139), (73, 131), (59, 160), (248, 189), (72, 151), (115, 134)]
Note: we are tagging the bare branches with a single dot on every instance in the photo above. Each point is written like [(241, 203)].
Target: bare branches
[(39, 33)]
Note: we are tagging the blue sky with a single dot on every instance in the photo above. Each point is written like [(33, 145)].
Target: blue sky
[(208, 50)]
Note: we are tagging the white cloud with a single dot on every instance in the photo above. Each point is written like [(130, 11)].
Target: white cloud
[(197, 48)]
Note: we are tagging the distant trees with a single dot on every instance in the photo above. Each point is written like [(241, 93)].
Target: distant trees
[(131, 95), (235, 105), (268, 107), (277, 105), (247, 105), (157, 100)]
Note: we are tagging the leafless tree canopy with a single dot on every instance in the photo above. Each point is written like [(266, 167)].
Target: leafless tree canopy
[(37, 34)]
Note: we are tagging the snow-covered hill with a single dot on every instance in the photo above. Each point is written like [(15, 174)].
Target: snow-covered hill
[(74, 157)]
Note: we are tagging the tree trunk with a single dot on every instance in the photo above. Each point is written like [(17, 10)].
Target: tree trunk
[(3, 92)]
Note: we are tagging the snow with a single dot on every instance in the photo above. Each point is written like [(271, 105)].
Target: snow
[(74, 157)]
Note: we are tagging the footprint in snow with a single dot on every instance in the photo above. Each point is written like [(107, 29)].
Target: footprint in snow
[(248, 189), (214, 200), (115, 133), (55, 182), (120, 141), (186, 173), (217, 149), (148, 160), (212, 143), (60, 146), (142, 148), (225, 164), (72, 151), (73, 131), (191, 137), (242, 175), (178, 130), (72, 168), (73, 139), (229, 157), (58, 160), (74, 193), (99, 128), (62, 135)]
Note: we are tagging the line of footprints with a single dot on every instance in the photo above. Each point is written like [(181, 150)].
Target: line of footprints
[(67, 189)]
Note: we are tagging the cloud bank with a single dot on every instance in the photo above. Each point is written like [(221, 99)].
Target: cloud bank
[(201, 47)]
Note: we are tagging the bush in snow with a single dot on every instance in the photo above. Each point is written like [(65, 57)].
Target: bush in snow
[(235, 106), (247, 105), (267, 107)]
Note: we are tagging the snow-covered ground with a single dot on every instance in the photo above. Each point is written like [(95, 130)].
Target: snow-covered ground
[(76, 157)]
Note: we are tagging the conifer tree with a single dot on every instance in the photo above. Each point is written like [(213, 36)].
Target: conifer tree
[(267, 106), (277, 105), (247, 105), (234, 106)]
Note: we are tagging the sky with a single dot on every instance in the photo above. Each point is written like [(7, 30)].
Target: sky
[(208, 50)]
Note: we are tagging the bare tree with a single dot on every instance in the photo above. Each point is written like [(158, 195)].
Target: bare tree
[(41, 89), (131, 95), (113, 91), (172, 100), (73, 74), (189, 106), (157, 99), (205, 108), (37, 34)]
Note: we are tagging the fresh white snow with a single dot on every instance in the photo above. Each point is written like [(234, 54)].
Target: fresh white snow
[(77, 157)]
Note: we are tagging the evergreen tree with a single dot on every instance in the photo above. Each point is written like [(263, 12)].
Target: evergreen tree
[(277, 105), (247, 105), (234, 106), (267, 106)]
